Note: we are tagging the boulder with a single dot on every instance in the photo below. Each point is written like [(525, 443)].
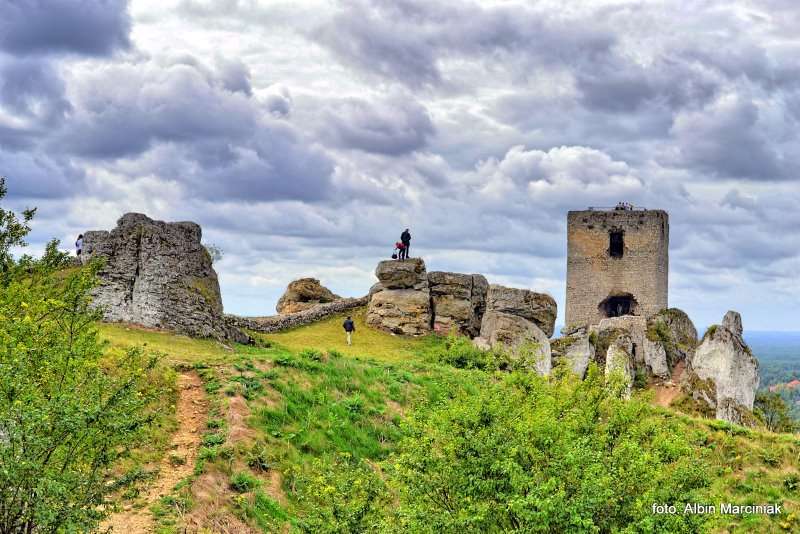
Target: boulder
[(400, 311), (673, 329), (376, 287), (619, 359), (303, 294), (574, 351), (528, 346), (402, 274), (158, 275), (458, 301), (539, 308), (724, 373), (648, 355)]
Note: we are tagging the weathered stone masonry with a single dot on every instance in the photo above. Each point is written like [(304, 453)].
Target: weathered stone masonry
[(625, 273)]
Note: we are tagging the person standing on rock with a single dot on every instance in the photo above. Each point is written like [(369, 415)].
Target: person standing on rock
[(79, 246), (349, 327), (405, 238)]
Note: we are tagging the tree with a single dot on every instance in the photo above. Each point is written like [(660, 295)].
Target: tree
[(772, 410), (66, 409)]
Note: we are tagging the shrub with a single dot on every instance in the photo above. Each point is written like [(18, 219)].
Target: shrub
[(243, 482), (67, 411), (459, 352), (526, 455)]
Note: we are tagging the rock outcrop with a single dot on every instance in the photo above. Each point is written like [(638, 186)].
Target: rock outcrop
[(575, 351), (303, 294), (158, 275), (539, 308), (518, 320), (648, 355), (620, 360), (403, 305), (405, 274), (458, 302), (724, 373), (676, 333)]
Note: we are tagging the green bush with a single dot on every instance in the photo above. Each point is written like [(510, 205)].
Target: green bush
[(243, 482), (67, 411), (459, 352), (341, 494), (524, 454)]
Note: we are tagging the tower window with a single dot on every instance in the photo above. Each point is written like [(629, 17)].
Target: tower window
[(616, 243)]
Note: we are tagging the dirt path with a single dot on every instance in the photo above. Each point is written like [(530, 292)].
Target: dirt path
[(666, 392), (191, 412)]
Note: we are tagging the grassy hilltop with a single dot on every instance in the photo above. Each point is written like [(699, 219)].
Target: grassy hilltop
[(306, 434)]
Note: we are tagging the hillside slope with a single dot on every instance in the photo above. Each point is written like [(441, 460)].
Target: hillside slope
[(310, 435)]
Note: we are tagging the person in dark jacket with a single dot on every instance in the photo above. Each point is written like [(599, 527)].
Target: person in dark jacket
[(349, 327), (405, 238)]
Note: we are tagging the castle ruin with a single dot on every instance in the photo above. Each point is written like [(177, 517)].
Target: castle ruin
[(617, 263)]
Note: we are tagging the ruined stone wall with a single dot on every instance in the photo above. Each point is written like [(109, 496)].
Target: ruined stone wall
[(593, 275), (277, 323)]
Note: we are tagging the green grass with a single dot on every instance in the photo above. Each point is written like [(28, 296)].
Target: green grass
[(177, 348), (367, 342)]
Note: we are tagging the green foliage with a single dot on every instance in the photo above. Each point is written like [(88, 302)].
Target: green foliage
[(265, 511), (459, 352), (527, 455), (243, 482), (772, 411), (67, 412), (342, 494)]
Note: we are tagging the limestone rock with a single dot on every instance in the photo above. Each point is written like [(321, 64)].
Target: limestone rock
[(536, 307), (400, 311), (458, 301), (648, 354), (655, 359), (619, 359), (733, 322), (724, 372), (158, 275), (303, 294), (528, 345), (673, 329), (376, 287), (575, 351), (403, 274)]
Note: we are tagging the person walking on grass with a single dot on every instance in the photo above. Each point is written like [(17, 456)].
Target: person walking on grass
[(405, 238), (349, 327)]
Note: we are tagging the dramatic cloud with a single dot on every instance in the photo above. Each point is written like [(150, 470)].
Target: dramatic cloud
[(91, 27), (303, 136)]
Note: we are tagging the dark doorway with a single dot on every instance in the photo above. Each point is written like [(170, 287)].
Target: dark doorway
[(618, 305), (616, 243)]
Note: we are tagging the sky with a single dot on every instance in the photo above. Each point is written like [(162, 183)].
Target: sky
[(304, 136)]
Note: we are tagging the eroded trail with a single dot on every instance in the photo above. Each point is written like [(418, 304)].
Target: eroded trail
[(191, 413), (668, 391)]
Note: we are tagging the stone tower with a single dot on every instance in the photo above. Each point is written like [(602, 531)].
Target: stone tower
[(617, 263)]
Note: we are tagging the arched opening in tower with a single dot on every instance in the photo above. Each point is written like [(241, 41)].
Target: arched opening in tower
[(618, 305)]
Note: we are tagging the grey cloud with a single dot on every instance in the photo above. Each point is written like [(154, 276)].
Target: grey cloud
[(122, 111), (90, 27), (33, 90), (396, 125), (407, 40), (727, 139)]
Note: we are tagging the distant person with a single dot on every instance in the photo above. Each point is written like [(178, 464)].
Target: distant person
[(79, 246), (399, 247), (349, 327), (405, 238)]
